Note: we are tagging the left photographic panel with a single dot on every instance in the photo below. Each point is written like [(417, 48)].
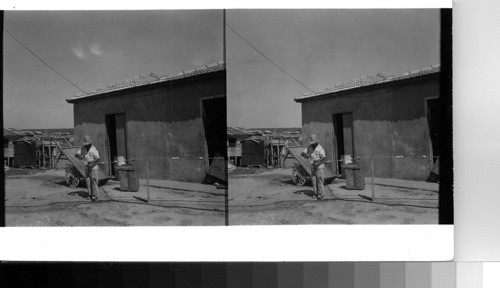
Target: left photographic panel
[(114, 118)]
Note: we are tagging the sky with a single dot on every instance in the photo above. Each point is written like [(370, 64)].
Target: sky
[(320, 48), (93, 49)]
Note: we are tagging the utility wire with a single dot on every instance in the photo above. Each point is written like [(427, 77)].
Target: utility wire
[(276, 65), (41, 60)]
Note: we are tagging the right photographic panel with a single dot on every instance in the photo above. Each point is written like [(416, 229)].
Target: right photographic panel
[(339, 116)]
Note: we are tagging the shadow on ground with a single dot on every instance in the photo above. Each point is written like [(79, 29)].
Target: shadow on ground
[(61, 183), (83, 194), (122, 191), (287, 181), (308, 193)]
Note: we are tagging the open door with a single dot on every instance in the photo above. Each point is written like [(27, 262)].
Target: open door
[(433, 122), (343, 138), (116, 132), (214, 122), (215, 125)]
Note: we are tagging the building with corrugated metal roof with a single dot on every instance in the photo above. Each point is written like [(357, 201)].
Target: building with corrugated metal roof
[(177, 122), (394, 119)]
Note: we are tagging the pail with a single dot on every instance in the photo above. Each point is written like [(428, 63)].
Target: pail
[(120, 160), (346, 159)]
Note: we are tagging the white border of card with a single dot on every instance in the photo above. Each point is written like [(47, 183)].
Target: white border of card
[(234, 243)]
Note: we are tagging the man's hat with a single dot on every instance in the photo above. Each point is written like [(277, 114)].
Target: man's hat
[(313, 139), (87, 140)]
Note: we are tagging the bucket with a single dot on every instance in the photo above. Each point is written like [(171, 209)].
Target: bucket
[(120, 160), (346, 159)]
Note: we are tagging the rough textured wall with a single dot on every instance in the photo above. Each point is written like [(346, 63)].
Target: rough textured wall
[(161, 122), (387, 121), (324, 131), (98, 134)]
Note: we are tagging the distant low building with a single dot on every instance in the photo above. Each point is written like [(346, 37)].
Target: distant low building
[(25, 154), (10, 135), (26, 148), (234, 137), (177, 122), (253, 151), (252, 147), (393, 118)]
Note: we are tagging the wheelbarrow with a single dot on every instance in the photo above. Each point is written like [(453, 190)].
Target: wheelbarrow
[(74, 178), (302, 171), (75, 172)]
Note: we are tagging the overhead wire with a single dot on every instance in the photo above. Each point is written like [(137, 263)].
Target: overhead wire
[(41, 60), (267, 58)]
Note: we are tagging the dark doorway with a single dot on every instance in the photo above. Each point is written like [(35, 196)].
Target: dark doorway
[(433, 115), (215, 124), (343, 138), (115, 127)]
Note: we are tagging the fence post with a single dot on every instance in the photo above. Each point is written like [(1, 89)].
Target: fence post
[(147, 174), (51, 164), (43, 153), (373, 181)]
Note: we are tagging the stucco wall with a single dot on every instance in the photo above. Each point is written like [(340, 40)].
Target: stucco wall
[(161, 122), (387, 121)]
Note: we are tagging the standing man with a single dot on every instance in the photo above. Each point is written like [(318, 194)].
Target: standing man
[(90, 156), (316, 155)]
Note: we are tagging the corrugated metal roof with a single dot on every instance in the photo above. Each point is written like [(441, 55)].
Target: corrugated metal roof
[(152, 78), (12, 132), (242, 132), (372, 79)]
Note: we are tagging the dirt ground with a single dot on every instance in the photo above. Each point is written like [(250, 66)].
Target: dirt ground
[(42, 198), (256, 196), (268, 196)]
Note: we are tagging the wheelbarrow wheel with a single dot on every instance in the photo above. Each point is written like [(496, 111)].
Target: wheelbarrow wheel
[(72, 177), (299, 177)]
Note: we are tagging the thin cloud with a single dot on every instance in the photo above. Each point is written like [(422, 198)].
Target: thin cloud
[(78, 51), (95, 49)]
